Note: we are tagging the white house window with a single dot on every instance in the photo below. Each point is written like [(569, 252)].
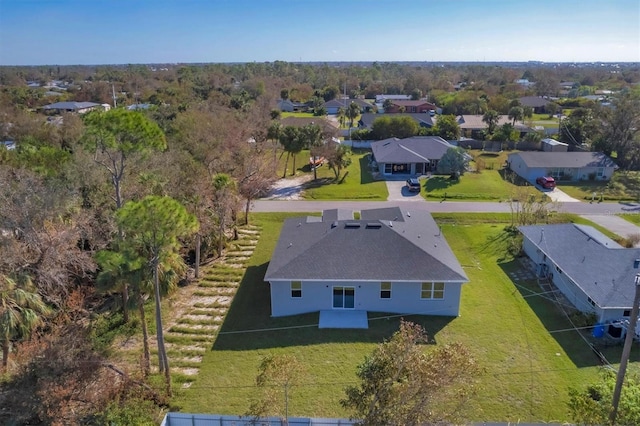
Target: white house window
[(432, 291), (626, 313), (385, 290), (296, 288), (591, 302), (600, 172)]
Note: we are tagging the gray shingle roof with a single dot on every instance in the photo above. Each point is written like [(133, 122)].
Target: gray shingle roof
[(418, 149), (533, 101), (411, 248), (604, 270), (344, 103), (565, 159), (71, 105), (423, 119)]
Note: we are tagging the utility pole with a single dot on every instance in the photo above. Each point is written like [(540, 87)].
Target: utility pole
[(626, 352)]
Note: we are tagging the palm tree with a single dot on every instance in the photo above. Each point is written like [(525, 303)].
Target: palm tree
[(224, 202), (154, 226), (20, 312), (491, 118), (342, 116), (516, 113), (273, 132), (352, 112), (122, 267)]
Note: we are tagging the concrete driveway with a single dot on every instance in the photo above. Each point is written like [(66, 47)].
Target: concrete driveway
[(558, 195), (614, 223), (398, 191)]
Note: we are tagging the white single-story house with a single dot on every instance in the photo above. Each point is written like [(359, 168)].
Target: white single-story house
[(389, 260), (288, 105), (552, 145), (410, 156), (568, 166), (592, 271)]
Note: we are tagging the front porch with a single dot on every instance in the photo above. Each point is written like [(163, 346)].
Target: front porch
[(343, 318)]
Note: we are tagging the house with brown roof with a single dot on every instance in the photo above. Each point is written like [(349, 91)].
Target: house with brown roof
[(419, 106), (327, 126), (472, 125)]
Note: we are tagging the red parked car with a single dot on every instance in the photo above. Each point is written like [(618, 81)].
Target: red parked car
[(547, 182)]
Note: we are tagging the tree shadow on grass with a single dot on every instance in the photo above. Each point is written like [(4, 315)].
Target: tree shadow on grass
[(510, 176), (439, 183), (365, 173), (249, 325), (502, 243), (554, 320)]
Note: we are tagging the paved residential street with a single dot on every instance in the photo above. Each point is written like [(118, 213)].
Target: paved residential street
[(438, 206), (603, 214)]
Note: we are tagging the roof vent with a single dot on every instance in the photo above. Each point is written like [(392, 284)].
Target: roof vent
[(374, 225), (636, 263), (334, 224), (352, 225), (390, 224)]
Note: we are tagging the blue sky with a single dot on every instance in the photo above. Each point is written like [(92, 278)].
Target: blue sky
[(38, 32)]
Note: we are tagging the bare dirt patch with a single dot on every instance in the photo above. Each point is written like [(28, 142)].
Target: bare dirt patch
[(289, 188)]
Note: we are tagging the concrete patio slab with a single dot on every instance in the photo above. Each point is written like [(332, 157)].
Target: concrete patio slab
[(343, 319)]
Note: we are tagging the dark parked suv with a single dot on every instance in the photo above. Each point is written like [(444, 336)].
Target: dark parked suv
[(413, 185)]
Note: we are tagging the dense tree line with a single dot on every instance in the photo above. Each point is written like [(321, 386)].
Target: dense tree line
[(77, 194)]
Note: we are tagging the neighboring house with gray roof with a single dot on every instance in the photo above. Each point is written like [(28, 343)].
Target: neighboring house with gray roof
[(78, 107), (334, 105), (287, 105), (389, 260), (410, 156), (538, 103), (367, 119), (568, 166), (593, 272)]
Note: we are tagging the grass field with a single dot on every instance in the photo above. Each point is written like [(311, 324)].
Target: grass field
[(488, 185), (623, 186), (528, 366), (357, 185)]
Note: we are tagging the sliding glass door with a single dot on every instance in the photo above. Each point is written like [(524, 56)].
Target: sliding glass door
[(344, 297)]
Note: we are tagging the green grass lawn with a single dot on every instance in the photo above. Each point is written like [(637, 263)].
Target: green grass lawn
[(623, 186), (357, 185), (487, 185), (527, 367), (490, 183), (544, 121), (631, 217), (285, 114)]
